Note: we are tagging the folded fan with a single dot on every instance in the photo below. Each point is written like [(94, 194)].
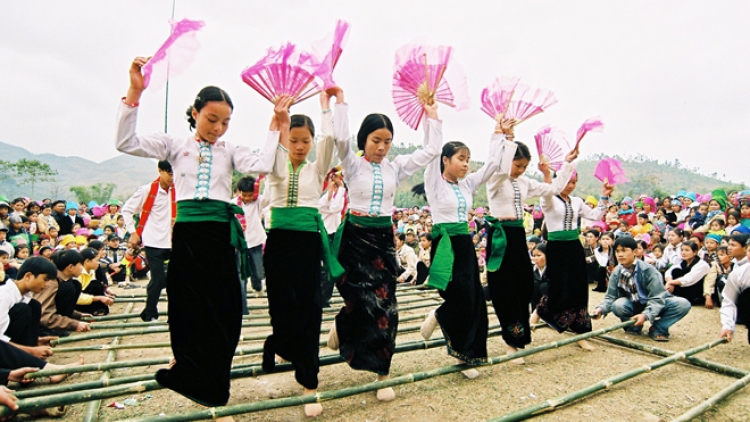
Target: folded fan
[(551, 146), (327, 52), (609, 170), (527, 102), (175, 55), (284, 71), (496, 97), (593, 124), (421, 76)]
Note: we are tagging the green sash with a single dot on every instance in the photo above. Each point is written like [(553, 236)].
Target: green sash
[(369, 222), (499, 241), (308, 219), (441, 268), (191, 211), (564, 235)]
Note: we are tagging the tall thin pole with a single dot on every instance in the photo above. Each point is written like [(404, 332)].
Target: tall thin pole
[(166, 92)]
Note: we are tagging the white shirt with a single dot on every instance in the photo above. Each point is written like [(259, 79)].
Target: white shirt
[(157, 233), (254, 233), (286, 188), (408, 260), (449, 202), (505, 202), (557, 219), (9, 296), (696, 274), (185, 156), (737, 281), (331, 209), (372, 186), (672, 254)]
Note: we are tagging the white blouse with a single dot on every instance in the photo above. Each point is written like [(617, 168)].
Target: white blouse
[(372, 186), (449, 202), (560, 216), (286, 188), (254, 233), (331, 209), (201, 170), (696, 274), (507, 196)]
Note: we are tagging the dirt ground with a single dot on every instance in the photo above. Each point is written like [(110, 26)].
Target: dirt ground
[(659, 395)]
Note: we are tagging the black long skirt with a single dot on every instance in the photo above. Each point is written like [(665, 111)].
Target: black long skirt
[(463, 315), (368, 322), (292, 264), (566, 306), (511, 287), (205, 311)]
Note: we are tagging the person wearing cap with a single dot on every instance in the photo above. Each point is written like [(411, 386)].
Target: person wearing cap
[(626, 212), (113, 208), (70, 219), (4, 243), (155, 205), (591, 202), (67, 242), (114, 257), (735, 303), (687, 201), (636, 292)]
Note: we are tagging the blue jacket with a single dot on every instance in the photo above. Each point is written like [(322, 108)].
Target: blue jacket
[(649, 280)]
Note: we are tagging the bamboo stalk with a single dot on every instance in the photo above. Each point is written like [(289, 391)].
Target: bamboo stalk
[(216, 412), (552, 404), (706, 364), (713, 400), (92, 411)]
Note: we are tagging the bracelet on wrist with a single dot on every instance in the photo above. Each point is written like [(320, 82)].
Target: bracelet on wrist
[(135, 104)]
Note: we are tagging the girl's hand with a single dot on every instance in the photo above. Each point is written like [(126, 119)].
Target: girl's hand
[(325, 97), (544, 167), (281, 118), (136, 80), (572, 155), (607, 189), (431, 111), (506, 126)]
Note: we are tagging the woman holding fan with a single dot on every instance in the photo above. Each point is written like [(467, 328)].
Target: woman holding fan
[(510, 275), (454, 270), (566, 306), (364, 331), (297, 231), (205, 303)]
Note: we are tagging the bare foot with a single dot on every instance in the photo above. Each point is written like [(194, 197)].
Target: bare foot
[(172, 363), (333, 338), (429, 325), (385, 394), (470, 373), (313, 409), (56, 379), (510, 350), (585, 345), (534, 319), (280, 360)]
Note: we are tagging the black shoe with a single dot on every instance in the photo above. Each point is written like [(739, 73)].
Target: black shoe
[(46, 332), (203, 396), (269, 357), (148, 317)]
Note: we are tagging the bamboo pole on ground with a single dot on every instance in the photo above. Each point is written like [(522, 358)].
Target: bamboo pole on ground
[(216, 412), (705, 364), (553, 404), (92, 411), (713, 400)]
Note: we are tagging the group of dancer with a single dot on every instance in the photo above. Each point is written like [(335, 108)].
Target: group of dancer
[(205, 303)]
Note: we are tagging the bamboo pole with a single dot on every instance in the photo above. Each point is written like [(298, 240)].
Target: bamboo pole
[(216, 412), (713, 400), (702, 363), (552, 404), (92, 411)]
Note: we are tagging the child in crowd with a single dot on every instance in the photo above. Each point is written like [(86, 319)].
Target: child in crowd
[(58, 298), (5, 267), (717, 226), (93, 298), (423, 265)]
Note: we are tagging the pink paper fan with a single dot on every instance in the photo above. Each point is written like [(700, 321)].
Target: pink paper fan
[(610, 170), (284, 71), (175, 55), (593, 124), (551, 146), (328, 50), (527, 102), (420, 77), (496, 97)]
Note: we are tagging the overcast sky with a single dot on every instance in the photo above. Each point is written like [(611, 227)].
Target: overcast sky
[(671, 79)]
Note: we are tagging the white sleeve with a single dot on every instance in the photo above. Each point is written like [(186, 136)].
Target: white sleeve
[(501, 153), (5, 305), (731, 294), (343, 138), (593, 214), (157, 145), (133, 206), (696, 274), (409, 164), (246, 161), (325, 147), (537, 188)]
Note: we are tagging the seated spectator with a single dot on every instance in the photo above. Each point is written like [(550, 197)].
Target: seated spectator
[(115, 255), (636, 292), (423, 265), (407, 259), (20, 313), (541, 283), (716, 278), (59, 297), (5, 269), (686, 279), (93, 298)]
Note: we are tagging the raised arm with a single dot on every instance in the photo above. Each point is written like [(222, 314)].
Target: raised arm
[(502, 151), (553, 186), (325, 147), (597, 213), (433, 143)]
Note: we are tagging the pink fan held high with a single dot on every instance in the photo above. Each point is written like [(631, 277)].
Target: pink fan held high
[(422, 75), (327, 52), (593, 124), (551, 146), (284, 71), (609, 170), (175, 55)]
